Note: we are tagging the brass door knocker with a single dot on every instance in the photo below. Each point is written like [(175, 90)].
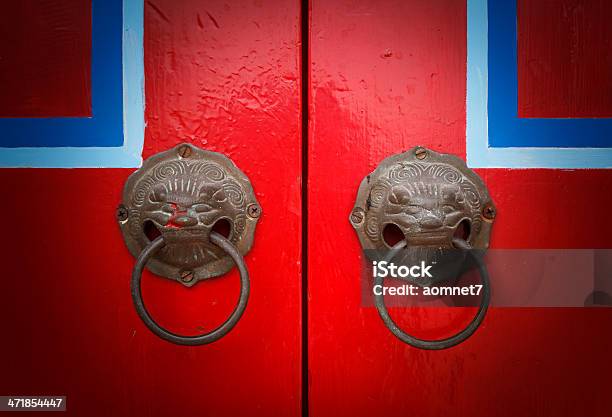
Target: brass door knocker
[(169, 210), (428, 197)]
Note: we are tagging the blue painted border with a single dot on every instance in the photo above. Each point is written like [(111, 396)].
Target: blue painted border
[(129, 154), (506, 129), (105, 125), (479, 152)]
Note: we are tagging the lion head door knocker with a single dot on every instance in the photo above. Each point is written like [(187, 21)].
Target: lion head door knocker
[(443, 214), (169, 210)]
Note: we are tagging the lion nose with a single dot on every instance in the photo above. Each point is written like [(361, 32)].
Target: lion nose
[(431, 222), (184, 221)]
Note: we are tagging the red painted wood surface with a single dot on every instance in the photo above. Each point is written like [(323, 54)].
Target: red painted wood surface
[(386, 76), (225, 77), (564, 59), (45, 57)]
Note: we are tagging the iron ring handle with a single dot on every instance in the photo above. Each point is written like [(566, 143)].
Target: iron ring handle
[(206, 338), (441, 343)]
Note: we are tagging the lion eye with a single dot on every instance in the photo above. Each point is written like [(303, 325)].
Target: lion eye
[(201, 208), (168, 208), (413, 209), (448, 209)]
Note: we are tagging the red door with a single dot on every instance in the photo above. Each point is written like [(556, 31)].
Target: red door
[(225, 77), (379, 77), (386, 76)]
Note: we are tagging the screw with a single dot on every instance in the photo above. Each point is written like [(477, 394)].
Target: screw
[(184, 151), (420, 153), (187, 276), (122, 213), (357, 215), (253, 210), (488, 212)]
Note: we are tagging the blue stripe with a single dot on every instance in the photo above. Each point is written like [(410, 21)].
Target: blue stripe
[(479, 153), (129, 133), (105, 127), (506, 129)]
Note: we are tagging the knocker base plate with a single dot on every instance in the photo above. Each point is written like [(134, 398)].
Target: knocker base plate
[(427, 196), (433, 203), (181, 194)]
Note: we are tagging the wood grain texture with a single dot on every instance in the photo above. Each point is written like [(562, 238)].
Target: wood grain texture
[(45, 58), (564, 54), (387, 76), (70, 328)]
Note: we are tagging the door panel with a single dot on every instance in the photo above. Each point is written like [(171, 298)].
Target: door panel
[(387, 76), (226, 78)]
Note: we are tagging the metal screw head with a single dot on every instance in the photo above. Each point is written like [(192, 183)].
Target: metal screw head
[(253, 210), (184, 151), (420, 153), (357, 215), (488, 212), (122, 213), (187, 276)]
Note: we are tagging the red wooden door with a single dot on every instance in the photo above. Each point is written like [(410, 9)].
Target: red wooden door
[(386, 76), (225, 77)]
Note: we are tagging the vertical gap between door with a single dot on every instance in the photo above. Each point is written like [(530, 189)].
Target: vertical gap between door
[(304, 33)]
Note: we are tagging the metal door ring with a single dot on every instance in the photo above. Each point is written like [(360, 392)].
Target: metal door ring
[(441, 343), (148, 252)]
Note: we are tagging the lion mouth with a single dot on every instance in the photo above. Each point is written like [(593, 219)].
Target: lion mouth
[(173, 234), (427, 238)]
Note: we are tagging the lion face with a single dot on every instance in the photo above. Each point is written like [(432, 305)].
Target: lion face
[(183, 204), (427, 213)]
